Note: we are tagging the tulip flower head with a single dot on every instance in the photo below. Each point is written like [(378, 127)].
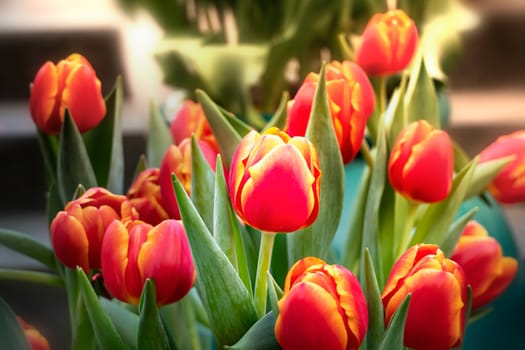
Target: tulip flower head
[(508, 186), (351, 102), (78, 230), (145, 196), (71, 84), (421, 165), (323, 307), (35, 339), (487, 271), (136, 251), (274, 181), (436, 313), (388, 43)]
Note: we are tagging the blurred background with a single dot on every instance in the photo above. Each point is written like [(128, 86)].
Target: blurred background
[(485, 87)]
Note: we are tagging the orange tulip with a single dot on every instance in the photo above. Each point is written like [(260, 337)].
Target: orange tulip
[(436, 314), (509, 185), (71, 84), (351, 102), (136, 251), (487, 271), (35, 339), (145, 196), (388, 43), (78, 230), (274, 181), (323, 307), (421, 164)]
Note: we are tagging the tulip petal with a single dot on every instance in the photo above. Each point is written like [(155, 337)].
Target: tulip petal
[(42, 101), (508, 269), (298, 269), (70, 242)]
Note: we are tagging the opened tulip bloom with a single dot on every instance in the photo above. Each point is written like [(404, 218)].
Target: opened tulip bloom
[(323, 307), (144, 194), (421, 164), (388, 43), (487, 271), (136, 251), (508, 186), (436, 313), (78, 230), (71, 84)]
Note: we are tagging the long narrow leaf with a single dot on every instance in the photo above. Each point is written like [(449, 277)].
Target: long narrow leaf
[(260, 337), (28, 246), (376, 326), (152, 334), (159, 137), (396, 329), (202, 183), (125, 321)]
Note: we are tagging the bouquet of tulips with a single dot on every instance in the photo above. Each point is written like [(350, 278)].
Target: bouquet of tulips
[(243, 237)]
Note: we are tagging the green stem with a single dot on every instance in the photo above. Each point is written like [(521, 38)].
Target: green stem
[(263, 265), (32, 276), (382, 95), (367, 155), (189, 316), (407, 227)]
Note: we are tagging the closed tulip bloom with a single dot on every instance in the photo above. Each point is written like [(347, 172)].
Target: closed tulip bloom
[(35, 339), (508, 186), (323, 307), (351, 101), (421, 165), (190, 120), (71, 84), (388, 43), (487, 271), (137, 251), (274, 181), (145, 196), (177, 160), (78, 230), (436, 313)]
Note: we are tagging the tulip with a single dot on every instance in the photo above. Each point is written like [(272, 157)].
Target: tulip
[(35, 339), (71, 84), (145, 196), (421, 163), (351, 102), (177, 160), (487, 271), (78, 230), (191, 120), (508, 186), (436, 313), (274, 181), (323, 307), (137, 251), (388, 43)]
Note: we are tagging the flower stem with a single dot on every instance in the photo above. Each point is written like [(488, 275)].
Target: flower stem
[(382, 95), (367, 155), (407, 228), (32, 276), (263, 265)]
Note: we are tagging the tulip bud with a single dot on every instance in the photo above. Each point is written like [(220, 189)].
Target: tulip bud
[(323, 307), (177, 160), (508, 186), (351, 101), (487, 271), (436, 314), (388, 43), (35, 339), (274, 181), (421, 164), (77, 231), (136, 251), (71, 84), (145, 196), (190, 120)]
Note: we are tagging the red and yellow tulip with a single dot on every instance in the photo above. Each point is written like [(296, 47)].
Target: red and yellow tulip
[(71, 84), (387, 44), (436, 314), (487, 271), (145, 196), (35, 339), (274, 181), (421, 165), (136, 251), (323, 307)]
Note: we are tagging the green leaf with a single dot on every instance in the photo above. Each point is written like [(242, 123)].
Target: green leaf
[(202, 183), (74, 167), (279, 117), (142, 165), (11, 332), (31, 276), (274, 293), (241, 127), (181, 324), (227, 136), (106, 335), (450, 241), (395, 115), (104, 144), (54, 203), (158, 137), (484, 173), (376, 326), (49, 148), (396, 329), (125, 321), (461, 158), (28, 246), (228, 303), (316, 239), (151, 334), (259, 337)]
